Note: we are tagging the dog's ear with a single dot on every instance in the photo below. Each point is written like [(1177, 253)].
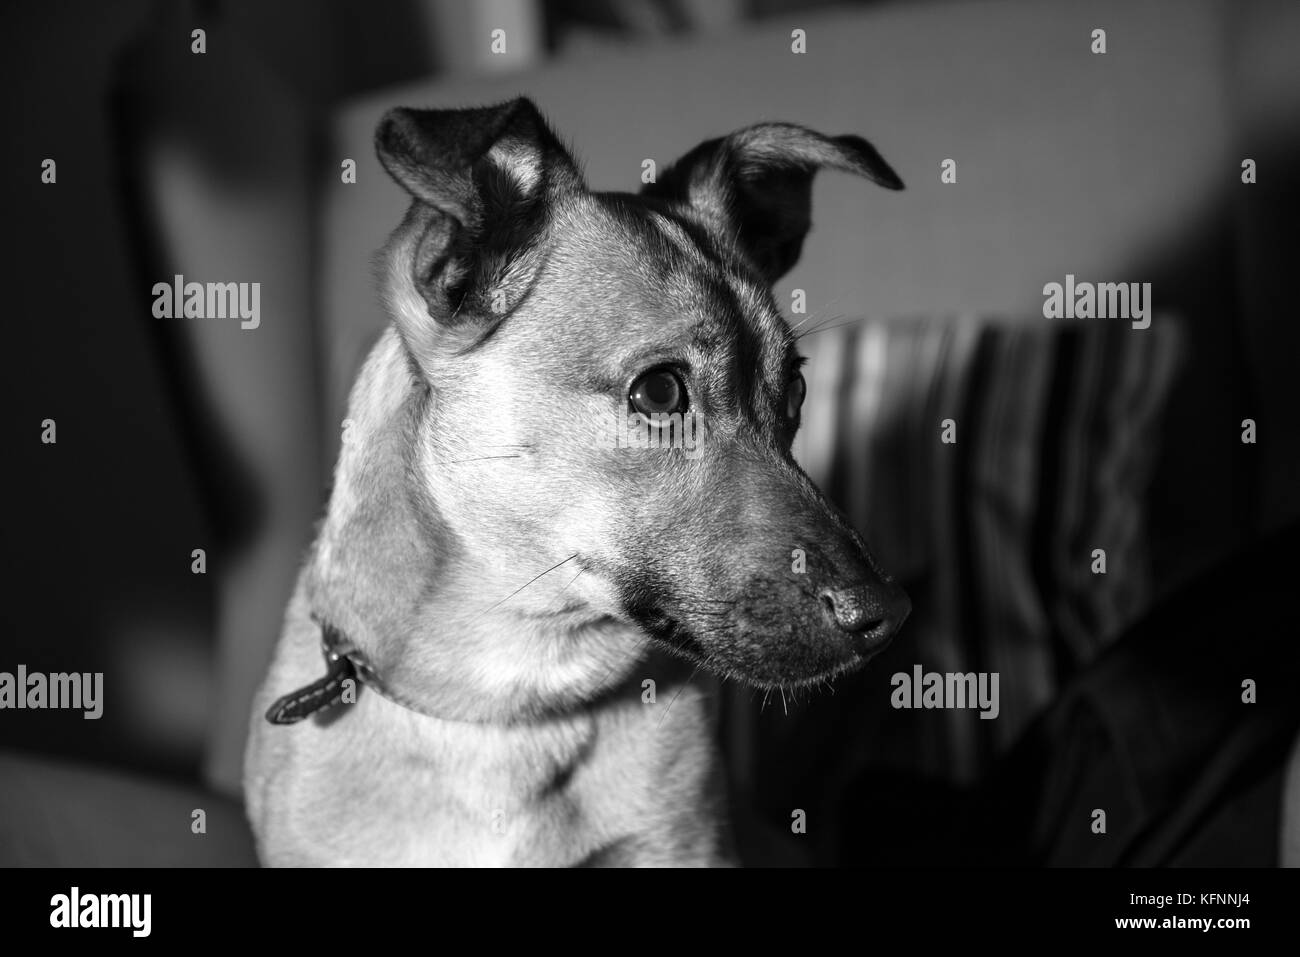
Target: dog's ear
[(483, 182), (754, 187)]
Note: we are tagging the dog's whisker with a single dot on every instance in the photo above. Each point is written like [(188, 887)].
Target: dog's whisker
[(837, 325), (818, 320), (560, 594), (694, 672), (529, 582), (816, 328), (674, 701), (832, 322), (483, 458), (819, 315)]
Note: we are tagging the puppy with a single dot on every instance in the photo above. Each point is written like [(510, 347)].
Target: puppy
[(507, 593)]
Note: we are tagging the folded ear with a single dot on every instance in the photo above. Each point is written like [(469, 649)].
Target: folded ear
[(483, 183), (755, 186)]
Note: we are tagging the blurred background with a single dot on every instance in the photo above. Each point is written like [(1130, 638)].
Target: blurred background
[(1120, 690)]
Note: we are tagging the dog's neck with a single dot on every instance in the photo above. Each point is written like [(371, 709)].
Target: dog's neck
[(445, 628)]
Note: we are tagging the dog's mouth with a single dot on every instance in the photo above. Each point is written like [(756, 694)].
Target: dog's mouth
[(672, 634), (714, 655)]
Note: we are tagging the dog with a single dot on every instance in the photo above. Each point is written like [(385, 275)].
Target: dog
[(510, 611)]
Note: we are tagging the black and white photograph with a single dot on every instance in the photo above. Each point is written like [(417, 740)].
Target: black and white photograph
[(745, 434)]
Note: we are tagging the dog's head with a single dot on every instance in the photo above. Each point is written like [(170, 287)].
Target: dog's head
[(556, 332)]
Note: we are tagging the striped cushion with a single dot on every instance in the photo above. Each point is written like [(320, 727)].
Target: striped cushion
[(1057, 428)]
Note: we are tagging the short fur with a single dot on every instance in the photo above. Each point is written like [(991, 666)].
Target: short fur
[(515, 583)]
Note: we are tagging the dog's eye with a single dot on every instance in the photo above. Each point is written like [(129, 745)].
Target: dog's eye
[(794, 395), (658, 392)]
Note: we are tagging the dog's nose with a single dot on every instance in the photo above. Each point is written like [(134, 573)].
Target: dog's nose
[(871, 613)]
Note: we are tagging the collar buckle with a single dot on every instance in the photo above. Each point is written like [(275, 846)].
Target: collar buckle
[(343, 663)]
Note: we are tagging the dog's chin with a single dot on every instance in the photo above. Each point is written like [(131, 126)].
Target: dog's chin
[(775, 676), (795, 680)]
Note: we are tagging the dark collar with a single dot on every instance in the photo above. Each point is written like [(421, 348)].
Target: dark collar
[(344, 662)]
